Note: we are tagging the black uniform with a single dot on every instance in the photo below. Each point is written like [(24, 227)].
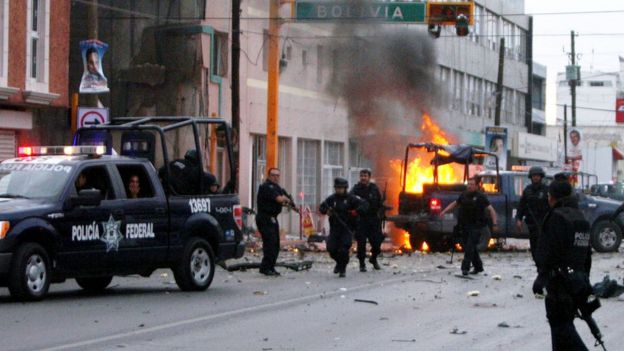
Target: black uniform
[(266, 220), (342, 221), (473, 222), (563, 257), (369, 225), (532, 208)]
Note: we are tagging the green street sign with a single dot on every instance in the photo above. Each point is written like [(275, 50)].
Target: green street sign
[(402, 12)]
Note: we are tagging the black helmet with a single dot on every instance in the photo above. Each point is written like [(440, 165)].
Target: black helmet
[(340, 182), (191, 156), (536, 170)]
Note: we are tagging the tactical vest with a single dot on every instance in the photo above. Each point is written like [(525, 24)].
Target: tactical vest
[(578, 241)]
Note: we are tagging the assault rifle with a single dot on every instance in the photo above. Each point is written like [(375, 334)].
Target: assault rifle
[(291, 203), (584, 312)]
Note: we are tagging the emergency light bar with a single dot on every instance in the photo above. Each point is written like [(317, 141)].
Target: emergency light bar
[(90, 150), (520, 168)]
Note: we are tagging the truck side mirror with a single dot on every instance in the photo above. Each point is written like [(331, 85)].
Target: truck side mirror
[(87, 197)]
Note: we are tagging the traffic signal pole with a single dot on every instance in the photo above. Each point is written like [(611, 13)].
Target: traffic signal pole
[(574, 82), (273, 86), (499, 83)]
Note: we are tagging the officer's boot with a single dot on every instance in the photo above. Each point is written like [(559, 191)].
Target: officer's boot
[(373, 261), (336, 268), (362, 265)]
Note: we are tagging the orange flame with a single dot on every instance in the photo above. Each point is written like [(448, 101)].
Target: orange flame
[(419, 169), (424, 247)]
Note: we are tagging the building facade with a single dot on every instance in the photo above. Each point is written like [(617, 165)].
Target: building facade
[(33, 73), (597, 129)]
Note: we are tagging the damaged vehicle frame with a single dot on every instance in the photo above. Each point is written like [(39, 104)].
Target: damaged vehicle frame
[(419, 212), (95, 232)]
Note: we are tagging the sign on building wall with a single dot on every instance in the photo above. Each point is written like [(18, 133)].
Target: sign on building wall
[(534, 147), (93, 79), (496, 141), (619, 111)]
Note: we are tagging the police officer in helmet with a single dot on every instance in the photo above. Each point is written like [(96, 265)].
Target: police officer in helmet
[(369, 225), (533, 206), (563, 259), (343, 209)]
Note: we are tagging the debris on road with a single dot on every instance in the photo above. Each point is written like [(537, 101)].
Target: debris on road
[(295, 266), (403, 340), (260, 292), (608, 288), (517, 276), (497, 277), (366, 301), (488, 305), (473, 293), (518, 296), (503, 325), (456, 331)]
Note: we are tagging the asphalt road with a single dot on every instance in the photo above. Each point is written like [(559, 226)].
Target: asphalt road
[(421, 305)]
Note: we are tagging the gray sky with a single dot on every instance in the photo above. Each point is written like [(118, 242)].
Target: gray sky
[(552, 37)]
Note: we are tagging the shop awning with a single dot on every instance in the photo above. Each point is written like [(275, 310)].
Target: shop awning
[(618, 154)]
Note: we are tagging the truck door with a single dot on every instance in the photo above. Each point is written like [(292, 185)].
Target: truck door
[(91, 234), (494, 191), (146, 226), (517, 183)]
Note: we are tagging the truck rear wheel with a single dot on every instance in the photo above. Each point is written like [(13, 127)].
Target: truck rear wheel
[(606, 236), (94, 284), (29, 277), (196, 268)]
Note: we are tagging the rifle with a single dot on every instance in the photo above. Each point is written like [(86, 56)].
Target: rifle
[(456, 234), (291, 203), (584, 312)]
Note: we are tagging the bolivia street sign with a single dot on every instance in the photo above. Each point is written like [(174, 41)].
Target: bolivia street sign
[(410, 12)]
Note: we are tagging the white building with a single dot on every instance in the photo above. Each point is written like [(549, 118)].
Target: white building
[(602, 138)]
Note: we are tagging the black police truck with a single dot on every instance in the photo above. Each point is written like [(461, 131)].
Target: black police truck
[(100, 208)]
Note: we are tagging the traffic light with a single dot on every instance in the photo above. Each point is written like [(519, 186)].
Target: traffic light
[(458, 14), (461, 25)]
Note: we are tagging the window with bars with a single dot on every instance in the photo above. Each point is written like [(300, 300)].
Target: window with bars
[(319, 63), (308, 160), (333, 166), (220, 54)]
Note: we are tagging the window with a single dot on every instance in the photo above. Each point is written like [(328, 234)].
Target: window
[(289, 53), (492, 30), (37, 50), (475, 31), (95, 177), (136, 181), (220, 54), (265, 50), (304, 58), (319, 63), (357, 162), (474, 96), (538, 94), (458, 90), (308, 162), (519, 183), (333, 166), (259, 169), (599, 83), (4, 41), (520, 108)]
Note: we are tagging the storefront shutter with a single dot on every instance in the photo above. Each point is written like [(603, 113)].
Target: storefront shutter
[(7, 144)]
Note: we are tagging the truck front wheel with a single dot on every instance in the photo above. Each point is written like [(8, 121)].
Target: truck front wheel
[(196, 268), (29, 278)]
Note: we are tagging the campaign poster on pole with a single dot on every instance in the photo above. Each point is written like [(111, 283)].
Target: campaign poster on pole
[(93, 79), (574, 153), (496, 141)]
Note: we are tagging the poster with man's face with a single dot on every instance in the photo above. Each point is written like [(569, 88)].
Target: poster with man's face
[(574, 151), (93, 79), (496, 142)]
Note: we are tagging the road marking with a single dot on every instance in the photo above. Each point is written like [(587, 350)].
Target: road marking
[(259, 308)]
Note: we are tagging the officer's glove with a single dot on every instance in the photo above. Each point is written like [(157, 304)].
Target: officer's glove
[(538, 285)]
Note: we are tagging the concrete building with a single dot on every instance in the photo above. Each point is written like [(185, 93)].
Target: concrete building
[(601, 142), (173, 58), (33, 73)]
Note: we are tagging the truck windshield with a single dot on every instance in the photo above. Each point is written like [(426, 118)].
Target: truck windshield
[(32, 181)]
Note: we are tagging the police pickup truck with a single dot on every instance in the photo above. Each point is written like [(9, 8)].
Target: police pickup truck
[(72, 212), (419, 212)]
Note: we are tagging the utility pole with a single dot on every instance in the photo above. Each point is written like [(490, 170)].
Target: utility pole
[(575, 81), (528, 103), (565, 134), (499, 82), (236, 10), (273, 85)]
